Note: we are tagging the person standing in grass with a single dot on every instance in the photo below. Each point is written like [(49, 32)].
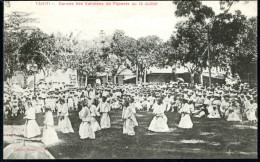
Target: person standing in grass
[(151, 101), (225, 104), (70, 102), (76, 101), (233, 112), (185, 111), (49, 136), (64, 121), (94, 113), (129, 119), (251, 111), (167, 101), (159, 122), (31, 128), (85, 128), (104, 109)]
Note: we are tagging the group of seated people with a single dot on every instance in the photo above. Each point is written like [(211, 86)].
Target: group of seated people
[(217, 102)]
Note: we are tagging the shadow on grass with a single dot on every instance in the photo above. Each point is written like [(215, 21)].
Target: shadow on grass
[(207, 139)]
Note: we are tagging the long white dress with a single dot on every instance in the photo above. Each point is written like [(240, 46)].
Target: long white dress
[(224, 107), (115, 104), (185, 121), (250, 113), (36, 105), (76, 101), (94, 113), (70, 103), (138, 103), (105, 119), (233, 116), (49, 135), (85, 128), (159, 122), (167, 102), (150, 101), (129, 119), (214, 114), (31, 128), (64, 121), (92, 94)]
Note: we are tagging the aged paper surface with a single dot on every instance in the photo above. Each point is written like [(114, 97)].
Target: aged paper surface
[(130, 80)]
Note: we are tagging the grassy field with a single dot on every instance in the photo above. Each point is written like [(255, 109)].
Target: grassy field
[(207, 139)]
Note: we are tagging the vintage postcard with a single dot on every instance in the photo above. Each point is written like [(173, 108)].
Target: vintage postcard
[(130, 80)]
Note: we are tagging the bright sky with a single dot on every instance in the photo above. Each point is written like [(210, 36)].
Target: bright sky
[(136, 21)]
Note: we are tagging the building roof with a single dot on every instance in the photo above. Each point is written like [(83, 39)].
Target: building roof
[(168, 70), (129, 77), (125, 72), (159, 70)]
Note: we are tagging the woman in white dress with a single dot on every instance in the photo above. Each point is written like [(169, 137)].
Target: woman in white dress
[(159, 122), (251, 111), (185, 111), (64, 121), (94, 113), (233, 113), (215, 112), (167, 102), (36, 105), (224, 107), (49, 135), (129, 119), (115, 104), (76, 101), (70, 102), (31, 128), (104, 109), (92, 94), (85, 128), (138, 103)]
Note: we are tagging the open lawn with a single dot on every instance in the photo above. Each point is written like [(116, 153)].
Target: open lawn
[(207, 139)]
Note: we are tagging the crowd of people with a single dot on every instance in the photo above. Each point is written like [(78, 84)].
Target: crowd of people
[(228, 102)]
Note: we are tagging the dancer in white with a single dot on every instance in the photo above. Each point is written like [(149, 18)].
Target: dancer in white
[(104, 109), (64, 121), (31, 128), (94, 113), (185, 111), (129, 119), (159, 122), (85, 128), (49, 135)]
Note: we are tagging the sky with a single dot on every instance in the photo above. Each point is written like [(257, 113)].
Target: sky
[(137, 21)]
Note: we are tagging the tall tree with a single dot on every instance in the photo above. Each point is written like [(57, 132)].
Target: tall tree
[(17, 28), (80, 55), (121, 50), (38, 49), (152, 51), (243, 55), (190, 41)]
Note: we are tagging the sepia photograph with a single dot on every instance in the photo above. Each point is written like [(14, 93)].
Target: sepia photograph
[(130, 80)]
